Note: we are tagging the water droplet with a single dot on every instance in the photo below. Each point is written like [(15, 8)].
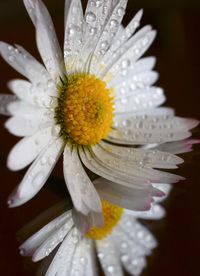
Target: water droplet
[(10, 48), (114, 23), (67, 51), (43, 161), (139, 125), (124, 245), (55, 130), (145, 41), (11, 58), (74, 237), (93, 31), (124, 100), (100, 255), (125, 258), (22, 252), (104, 45), (126, 123), (71, 31), (38, 141), (110, 269), (120, 11), (83, 260), (136, 24), (51, 160), (90, 17), (10, 201), (125, 63), (98, 3), (37, 180)]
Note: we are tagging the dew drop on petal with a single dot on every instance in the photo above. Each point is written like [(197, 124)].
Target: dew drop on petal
[(113, 23), (125, 63), (120, 11), (99, 3), (37, 179), (55, 130), (43, 161), (110, 269), (11, 58), (93, 31), (22, 252), (90, 17), (124, 258), (100, 255)]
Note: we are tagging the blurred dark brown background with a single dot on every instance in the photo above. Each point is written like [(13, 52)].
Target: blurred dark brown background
[(178, 61)]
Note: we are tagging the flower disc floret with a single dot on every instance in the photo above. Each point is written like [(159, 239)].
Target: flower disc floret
[(85, 109), (111, 214)]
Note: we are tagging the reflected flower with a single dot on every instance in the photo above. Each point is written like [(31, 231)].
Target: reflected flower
[(121, 243), (97, 104)]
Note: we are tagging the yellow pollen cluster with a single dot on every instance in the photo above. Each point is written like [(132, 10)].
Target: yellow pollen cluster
[(111, 215), (88, 109)]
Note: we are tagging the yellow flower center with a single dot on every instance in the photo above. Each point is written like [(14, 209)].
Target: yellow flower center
[(85, 109), (111, 215)]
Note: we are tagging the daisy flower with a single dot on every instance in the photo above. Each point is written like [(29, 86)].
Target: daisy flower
[(97, 103), (121, 243)]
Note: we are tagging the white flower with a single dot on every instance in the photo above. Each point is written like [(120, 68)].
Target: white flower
[(124, 245), (96, 104)]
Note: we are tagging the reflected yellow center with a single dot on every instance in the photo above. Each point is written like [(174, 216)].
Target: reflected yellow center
[(111, 214), (87, 109)]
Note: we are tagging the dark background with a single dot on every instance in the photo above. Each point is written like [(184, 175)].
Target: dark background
[(178, 62)]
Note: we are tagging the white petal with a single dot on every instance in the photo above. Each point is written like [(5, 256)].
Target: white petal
[(27, 149), (30, 245), (47, 42), (97, 18), (124, 34), (81, 189), (21, 127), (109, 257), (179, 146), (91, 265), (126, 197), (52, 241), (112, 25), (113, 175), (23, 62), (73, 32), (132, 251), (131, 51), (140, 100), (165, 188), (157, 111), (38, 173), (132, 255), (84, 222), (133, 170), (137, 232), (148, 158), (5, 100), (26, 110), (37, 95), (62, 262), (127, 85), (142, 65), (150, 129), (156, 212), (136, 245), (83, 260)]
